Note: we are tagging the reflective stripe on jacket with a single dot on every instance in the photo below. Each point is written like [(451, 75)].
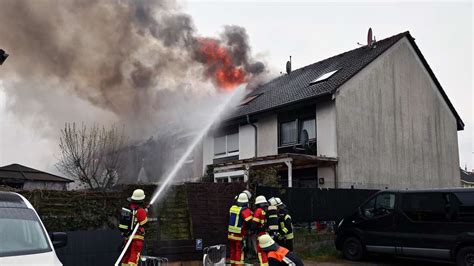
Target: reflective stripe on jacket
[(286, 227)]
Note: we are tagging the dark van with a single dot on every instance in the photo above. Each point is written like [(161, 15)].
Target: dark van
[(431, 224)]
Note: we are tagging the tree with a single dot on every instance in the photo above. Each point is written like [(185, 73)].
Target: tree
[(91, 155), (265, 176)]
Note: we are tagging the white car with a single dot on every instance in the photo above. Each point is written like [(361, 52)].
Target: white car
[(23, 237)]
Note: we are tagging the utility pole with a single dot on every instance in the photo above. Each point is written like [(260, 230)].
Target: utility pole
[(3, 56)]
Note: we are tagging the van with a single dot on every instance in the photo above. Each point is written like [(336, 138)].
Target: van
[(23, 237), (430, 224)]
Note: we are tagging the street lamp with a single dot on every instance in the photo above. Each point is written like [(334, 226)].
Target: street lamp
[(3, 56)]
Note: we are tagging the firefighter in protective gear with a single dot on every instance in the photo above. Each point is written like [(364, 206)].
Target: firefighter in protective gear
[(259, 226), (272, 218), (286, 225), (139, 217), (240, 217), (277, 255), (246, 192)]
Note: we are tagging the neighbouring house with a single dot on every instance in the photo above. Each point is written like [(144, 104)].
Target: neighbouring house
[(373, 117), (467, 178), (149, 161), (22, 177)]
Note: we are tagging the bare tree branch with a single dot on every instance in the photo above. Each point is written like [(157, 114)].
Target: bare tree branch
[(91, 155)]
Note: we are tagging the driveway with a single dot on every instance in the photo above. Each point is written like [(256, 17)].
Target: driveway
[(376, 260)]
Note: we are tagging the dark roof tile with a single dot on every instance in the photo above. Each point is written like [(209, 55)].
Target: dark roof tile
[(18, 171), (295, 87)]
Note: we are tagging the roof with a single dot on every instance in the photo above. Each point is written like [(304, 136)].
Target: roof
[(466, 176), (295, 87), (297, 159), (20, 172)]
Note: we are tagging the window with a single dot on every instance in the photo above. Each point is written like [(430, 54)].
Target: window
[(323, 77), (291, 132), (380, 205), (222, 180), (22, 233), (288, 133), (227, 145), (310, 126), (249, 99), (237, 179), (425, 207), (460, 206)]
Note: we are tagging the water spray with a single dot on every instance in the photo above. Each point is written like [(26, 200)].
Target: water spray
[(234, 97)]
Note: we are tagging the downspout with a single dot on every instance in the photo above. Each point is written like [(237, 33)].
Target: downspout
[(255, 133)]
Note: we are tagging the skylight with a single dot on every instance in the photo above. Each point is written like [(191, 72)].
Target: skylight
[(249, 99), (323, 77)]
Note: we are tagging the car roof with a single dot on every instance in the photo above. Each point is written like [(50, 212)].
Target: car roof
[(13, 200), (426, 190)]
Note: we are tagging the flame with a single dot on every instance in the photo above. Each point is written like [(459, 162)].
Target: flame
[(219, 64)]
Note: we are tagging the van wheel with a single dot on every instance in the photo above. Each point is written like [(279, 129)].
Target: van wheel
[(465, 257), (352, 249)]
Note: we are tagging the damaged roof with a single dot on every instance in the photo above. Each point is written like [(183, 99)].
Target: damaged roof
[(301, 85), (20, 172)]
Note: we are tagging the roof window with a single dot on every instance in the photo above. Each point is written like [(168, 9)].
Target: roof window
[(249, 99), (323, 77)]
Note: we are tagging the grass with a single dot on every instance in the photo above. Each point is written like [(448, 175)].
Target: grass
[(323, 253)]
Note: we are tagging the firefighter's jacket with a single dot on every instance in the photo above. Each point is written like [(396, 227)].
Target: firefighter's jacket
[(286, 226), (259, 221), (140, 217), (283, 256), (272, 220), (239, 217)]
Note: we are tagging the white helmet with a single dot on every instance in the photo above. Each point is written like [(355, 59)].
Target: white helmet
[(248, 193), (260, 199), (265, 241), (272, 201), (138, 195), (242, 198), (278, 201)]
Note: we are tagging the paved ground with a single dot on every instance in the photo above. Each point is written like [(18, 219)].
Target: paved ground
[(375, 260)]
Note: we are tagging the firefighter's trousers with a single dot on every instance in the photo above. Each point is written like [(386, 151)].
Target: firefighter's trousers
[(133, 253), (236, 252)]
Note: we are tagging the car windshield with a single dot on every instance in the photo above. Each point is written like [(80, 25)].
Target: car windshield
[(21, 233)]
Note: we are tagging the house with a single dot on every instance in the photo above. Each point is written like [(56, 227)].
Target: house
[(22, 177), (149, 161), (467, 178), (374, 117)]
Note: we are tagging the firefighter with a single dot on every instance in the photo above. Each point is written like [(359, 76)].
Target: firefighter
[(240, 217), (285, 225), (138, 216), (246, 192), (259, 225), (272, 218), (276, 254)]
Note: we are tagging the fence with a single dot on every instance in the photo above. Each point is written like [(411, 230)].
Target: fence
[(187, 212), (313, 204)]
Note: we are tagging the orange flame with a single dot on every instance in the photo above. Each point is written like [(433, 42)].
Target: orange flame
[(219, 64)]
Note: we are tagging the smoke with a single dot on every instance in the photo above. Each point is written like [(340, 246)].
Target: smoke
[(118, 56)]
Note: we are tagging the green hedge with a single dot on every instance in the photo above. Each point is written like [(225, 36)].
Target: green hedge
[(93, 210)]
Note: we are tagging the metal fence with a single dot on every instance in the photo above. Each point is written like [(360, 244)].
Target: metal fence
[(314, 204)]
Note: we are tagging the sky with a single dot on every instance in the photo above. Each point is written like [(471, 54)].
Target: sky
[(309, 31)]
